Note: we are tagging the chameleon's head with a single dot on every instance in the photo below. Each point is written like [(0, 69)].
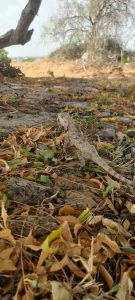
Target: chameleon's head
[(63, 118)]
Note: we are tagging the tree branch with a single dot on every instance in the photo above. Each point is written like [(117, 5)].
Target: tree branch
[(21, 35)]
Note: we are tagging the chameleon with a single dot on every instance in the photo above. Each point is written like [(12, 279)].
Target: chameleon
[(88, 151)]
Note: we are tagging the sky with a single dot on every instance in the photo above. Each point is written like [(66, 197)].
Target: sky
[(10, 11)]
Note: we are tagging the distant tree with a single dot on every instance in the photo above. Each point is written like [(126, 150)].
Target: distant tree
[(21, 35), (89, 21)]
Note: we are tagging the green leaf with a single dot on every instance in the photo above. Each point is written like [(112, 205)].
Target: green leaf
[(38, 164), (84, 215), (94, 169), (28, 153), (46, 155), (114, 289), (109, 188), (14, 163), (45, 179), (51, 237)]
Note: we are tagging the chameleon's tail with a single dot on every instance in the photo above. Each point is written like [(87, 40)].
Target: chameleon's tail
[(112, 172)]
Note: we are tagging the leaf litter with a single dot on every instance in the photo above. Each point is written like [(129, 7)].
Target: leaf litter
[(75, 237)]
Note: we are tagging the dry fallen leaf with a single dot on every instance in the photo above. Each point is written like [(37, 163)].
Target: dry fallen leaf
[(59, 292), (126, 287), (6, 167)]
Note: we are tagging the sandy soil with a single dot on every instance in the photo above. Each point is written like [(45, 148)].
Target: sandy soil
[(60, 68)]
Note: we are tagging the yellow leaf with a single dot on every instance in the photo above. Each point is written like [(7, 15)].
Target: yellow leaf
[(51, 237), (46, 249), (110, 119), (131, 207), (4, 214), (84, 215), (5, 234)]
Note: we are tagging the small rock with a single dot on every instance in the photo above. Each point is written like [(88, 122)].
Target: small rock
[(133, 152), (108, 133), (1, 78), (122, 92), (125, 120), (106, 114), (42, 147)]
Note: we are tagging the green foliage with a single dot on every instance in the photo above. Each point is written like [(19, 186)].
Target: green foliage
[(46, 155), (4, 55), (89, 121), (45, 180), (50, 74), (126, 60)]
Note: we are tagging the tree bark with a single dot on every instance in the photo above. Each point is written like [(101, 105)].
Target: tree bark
[(21, 35)]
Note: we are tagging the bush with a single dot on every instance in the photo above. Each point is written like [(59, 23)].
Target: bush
[(69, 51), (4, 55)]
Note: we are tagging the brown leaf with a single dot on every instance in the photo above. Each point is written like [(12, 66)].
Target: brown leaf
[(107, 241), (66, 232), (6, 167), (126, 287), (105, 274), (110, 205), (70, 219), (75, 269), (99, 183), (114, 227), (4, 215), (59, 292), (56, 266), (69, 210), (6, 265)]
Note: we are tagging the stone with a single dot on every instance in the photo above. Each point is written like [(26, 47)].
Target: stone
[(108, 133), (1, 78), (133, 152)]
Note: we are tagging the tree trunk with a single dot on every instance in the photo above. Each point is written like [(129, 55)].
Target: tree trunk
[(21, 35)]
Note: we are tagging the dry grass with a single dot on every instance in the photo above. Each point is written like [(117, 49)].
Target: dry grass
[(60, 68)]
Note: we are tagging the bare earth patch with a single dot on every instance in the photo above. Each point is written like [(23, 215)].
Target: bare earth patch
[(60, 68)]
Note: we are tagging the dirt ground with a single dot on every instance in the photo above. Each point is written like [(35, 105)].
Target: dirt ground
[(103, 99), (41, 175), (60, 68)]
